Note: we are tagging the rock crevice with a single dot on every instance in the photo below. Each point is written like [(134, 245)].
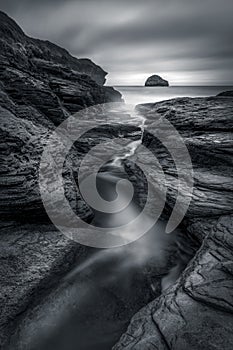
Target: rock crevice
[(196, 312)]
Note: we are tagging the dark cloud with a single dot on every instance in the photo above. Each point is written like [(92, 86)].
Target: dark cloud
[(189, 42)]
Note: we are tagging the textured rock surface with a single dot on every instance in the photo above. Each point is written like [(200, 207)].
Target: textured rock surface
[(41, 85), (206, 126), (45, 76), (228, 93), (42, 57), (33, 260), (196, 312), (156, 80)]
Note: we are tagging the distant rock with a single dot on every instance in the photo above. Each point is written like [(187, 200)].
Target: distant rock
[(156, 80), (228, 93)]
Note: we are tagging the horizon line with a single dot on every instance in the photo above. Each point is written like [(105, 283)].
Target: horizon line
[(212, 85)]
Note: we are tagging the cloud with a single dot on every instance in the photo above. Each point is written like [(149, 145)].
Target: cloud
[(186, 41)]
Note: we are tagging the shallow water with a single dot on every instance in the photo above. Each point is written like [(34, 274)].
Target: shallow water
[(94, 302), (92, 306)]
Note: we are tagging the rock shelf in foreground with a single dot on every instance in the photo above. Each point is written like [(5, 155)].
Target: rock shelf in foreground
[(197, 312)]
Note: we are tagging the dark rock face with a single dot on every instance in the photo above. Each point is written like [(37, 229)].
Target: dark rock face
[(206, 126), (42, 57), (156, 80), (226, 93), (43, 75), (196, 312), (41, 85)]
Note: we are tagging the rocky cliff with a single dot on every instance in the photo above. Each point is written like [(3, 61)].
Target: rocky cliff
[(42, 57), (43, 75), (156, 80), (41, 85)]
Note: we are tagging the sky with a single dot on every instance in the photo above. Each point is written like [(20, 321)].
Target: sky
[(187, 42)]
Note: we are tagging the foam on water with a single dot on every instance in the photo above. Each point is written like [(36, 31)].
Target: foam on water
[(140, 94)]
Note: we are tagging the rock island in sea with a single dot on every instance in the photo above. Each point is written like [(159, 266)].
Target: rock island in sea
[(156, 80)]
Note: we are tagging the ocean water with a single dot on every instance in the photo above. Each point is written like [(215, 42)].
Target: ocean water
[(140, 94)]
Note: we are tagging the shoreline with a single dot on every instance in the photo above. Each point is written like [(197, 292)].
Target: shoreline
[(134, 95)]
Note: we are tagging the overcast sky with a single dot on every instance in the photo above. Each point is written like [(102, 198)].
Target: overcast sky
[(188, 42)]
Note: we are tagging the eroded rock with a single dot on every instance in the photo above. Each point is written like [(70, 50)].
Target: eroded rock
[(41, 85), (196, 312)]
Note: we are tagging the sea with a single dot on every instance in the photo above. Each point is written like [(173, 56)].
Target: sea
[(134, 95)]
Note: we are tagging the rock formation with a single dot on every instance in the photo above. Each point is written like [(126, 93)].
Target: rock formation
[(228, 93), (156, 80), (33, 71), (197, 311), (41, 85)]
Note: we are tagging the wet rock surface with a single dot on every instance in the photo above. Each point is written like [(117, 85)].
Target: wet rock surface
[(40, 86), (196, 311)]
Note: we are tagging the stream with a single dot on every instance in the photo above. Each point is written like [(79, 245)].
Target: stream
[(94, 302)]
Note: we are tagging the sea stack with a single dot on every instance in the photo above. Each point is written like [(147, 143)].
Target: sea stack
[(156, 80)]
